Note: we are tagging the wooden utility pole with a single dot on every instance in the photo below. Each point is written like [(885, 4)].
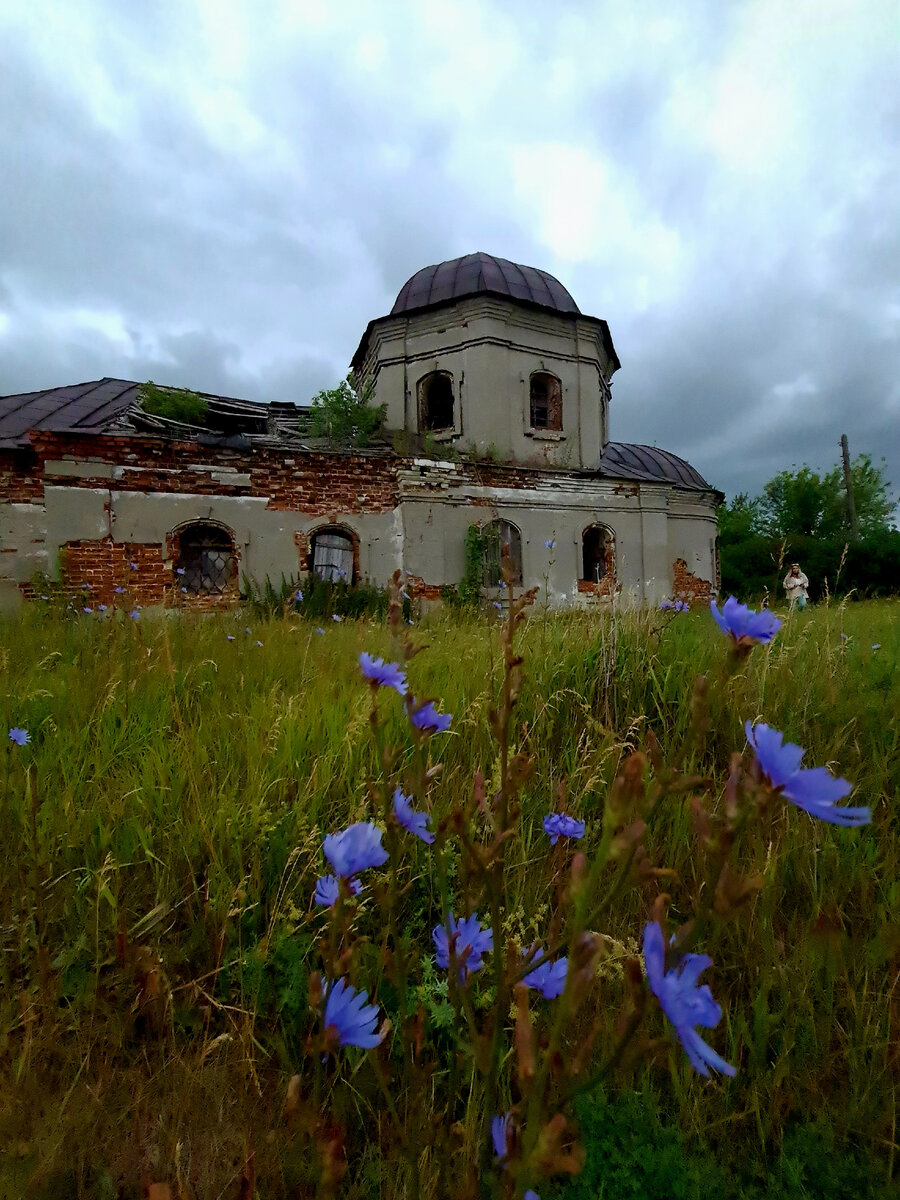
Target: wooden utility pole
[(848, 484)]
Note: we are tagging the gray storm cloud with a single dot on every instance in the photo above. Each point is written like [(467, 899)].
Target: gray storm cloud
[(223, 196)]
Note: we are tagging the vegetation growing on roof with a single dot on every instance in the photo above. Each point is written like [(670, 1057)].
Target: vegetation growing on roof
[(344, 415), (174, 404)]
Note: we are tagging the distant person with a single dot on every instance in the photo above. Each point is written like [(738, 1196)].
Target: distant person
[(797, 587)]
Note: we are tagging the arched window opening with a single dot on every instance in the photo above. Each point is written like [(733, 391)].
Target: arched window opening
[(206, 559), (436, 402), (597, 554), (546, 401), (497, 535), (332, 556)]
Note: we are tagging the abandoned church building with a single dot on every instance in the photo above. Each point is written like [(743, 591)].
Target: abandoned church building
[(496, 392)]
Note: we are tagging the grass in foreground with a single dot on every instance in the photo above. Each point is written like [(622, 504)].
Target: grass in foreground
[(164, 829)]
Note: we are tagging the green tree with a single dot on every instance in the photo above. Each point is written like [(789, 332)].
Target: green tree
[(345, 416), (871, 495), (807, 504), (740, 518)]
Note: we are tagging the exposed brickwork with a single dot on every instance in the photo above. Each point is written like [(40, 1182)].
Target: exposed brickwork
[(686, 586), (20, 477), (607, 586), (105, 565), (418, 589), (315, 482)]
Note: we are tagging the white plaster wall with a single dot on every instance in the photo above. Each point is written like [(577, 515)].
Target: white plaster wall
[(491, 347)]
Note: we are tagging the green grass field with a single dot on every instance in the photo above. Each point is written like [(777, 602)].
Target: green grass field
[(162, 833)]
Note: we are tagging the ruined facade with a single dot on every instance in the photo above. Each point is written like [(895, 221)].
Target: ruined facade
[(497, 393)]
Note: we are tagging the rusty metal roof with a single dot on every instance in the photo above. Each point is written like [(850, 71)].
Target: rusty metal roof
[(628, 460), (474, 274)]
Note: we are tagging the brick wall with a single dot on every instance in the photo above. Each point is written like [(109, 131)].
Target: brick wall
[(686, 586), (315, 482), (20, 477), (104, 565)]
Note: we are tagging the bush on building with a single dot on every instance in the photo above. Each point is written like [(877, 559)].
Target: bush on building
[(345, 415), (174, 404)]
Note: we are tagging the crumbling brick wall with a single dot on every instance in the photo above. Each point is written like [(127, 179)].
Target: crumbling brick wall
[(687, 586)]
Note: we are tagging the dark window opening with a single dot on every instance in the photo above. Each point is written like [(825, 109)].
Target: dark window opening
[(546, 401), (332, 556), (598, 554), (497, 535), (206, 558), (436, 402)]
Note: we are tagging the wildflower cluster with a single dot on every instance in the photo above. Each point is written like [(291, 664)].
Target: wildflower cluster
[(522, 1036)]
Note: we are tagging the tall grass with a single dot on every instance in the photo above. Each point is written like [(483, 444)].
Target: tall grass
[(163, 829)]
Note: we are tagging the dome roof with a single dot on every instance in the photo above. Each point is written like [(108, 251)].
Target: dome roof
[(474, 274)]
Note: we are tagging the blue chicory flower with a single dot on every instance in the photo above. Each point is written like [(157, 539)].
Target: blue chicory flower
[(21, 737), (134, 614), (501, 1135), (413, 822), (299, 596), (497, 605), (179, 570), (335, 617), (355, 849), (133, 566), (119, 591), (319, 629), (328, 890), (562, 825), (743, 624), (248, 629), (550, 543), (470, 943), (87, 610), (876, 645), (549, 978), (259, 643), (382, 674), (682, 606), (425, 717), (814, 790), (229, 637), (531, 1194), (350, 1016), (665, 604), (685, 1004)]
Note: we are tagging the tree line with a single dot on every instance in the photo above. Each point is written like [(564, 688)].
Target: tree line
[(803, 516)]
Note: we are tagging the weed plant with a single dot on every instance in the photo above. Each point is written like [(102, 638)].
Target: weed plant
[(164, 826)]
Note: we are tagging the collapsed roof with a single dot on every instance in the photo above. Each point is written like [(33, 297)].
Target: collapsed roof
[(113, 406)]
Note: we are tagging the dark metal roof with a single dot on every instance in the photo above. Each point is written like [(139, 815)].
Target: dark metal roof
[(626, 460), (85, 407), (476, 273), (103, 404)]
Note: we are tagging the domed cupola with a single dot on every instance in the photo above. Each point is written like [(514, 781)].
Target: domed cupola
[(482, 274)]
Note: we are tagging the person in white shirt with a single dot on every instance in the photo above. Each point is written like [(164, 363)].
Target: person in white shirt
[(797, 586)]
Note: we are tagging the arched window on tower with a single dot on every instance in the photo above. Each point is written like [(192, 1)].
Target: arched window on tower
[(332, 555), (435, 397), (546, 401), (205, 558), (497, 535), (598, 554)]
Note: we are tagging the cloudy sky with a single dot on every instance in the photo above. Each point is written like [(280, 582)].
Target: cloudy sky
[(220, 194)]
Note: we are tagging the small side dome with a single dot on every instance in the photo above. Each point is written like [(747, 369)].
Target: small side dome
[(475, 274)]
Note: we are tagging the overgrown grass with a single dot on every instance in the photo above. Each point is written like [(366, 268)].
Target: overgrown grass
[(163, 834)]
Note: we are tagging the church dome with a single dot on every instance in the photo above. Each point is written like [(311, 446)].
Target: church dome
[(478, 274)]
